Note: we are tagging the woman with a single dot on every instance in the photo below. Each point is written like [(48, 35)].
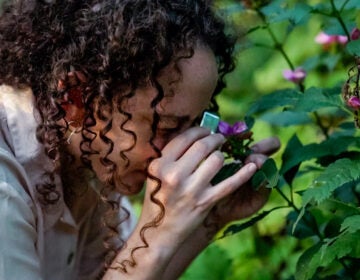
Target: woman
[(98, 98)]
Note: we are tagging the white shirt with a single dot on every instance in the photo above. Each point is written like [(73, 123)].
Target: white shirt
[(41, 242)]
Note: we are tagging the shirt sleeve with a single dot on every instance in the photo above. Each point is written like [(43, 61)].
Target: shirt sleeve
[(18, 236)]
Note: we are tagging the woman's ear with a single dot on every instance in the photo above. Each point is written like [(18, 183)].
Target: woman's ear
[(74, 106), (72, 101)]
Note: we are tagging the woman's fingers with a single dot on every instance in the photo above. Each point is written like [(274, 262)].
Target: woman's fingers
[(186, 152), (267, 146), (230, 184), (258, 159), (177, 146)]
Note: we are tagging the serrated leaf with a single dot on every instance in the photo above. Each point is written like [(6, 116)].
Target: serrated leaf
[(274, 100), (332, 146), (351, 224), (335, 175), (337, 248), (316, 98), (286, 118), (322, 255)]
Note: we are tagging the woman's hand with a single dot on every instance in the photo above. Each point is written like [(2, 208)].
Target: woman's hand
[(245, 201), (185, 169)]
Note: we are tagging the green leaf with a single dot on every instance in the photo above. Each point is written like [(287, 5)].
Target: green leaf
[(266, 176), (279, 12), (322, 255), (226, 171), (351, 224), (275, 99), (234, 228), (339, 208), (286, 118), (353, 47), (334, 176), (337, 248), (316, 98), (305, 224), (332, 146), (292, 146), (303, 269)]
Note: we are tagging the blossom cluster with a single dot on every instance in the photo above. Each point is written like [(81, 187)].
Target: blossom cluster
[(298, 74), (238, 138)]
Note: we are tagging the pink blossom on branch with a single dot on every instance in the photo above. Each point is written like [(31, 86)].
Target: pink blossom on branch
[(354, 102), (296, 76), (326, 40)]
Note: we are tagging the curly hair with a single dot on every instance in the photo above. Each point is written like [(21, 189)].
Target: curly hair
[(109, 45)]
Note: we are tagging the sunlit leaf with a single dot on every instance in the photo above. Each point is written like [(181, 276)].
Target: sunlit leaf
[(334, 176), (351, 224)]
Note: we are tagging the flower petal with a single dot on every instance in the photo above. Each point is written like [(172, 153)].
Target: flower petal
[(354, 102), (239, 127), (225, 128)]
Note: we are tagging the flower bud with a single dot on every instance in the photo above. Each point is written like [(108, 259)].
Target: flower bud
[(354, 102), (296, 76)]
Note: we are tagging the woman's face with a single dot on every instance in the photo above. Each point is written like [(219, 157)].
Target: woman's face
[(187, 95)]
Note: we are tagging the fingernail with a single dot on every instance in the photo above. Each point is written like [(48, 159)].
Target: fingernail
[(252, 167)]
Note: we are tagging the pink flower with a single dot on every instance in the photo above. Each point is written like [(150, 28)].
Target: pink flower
[(354, 102), (355, 34), (326, 39), (296, 76), (341, 39), (227, 129)]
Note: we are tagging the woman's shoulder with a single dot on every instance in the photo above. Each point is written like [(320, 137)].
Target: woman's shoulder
[(18, 121)]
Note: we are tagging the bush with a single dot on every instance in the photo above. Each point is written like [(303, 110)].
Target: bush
[(298, 77)]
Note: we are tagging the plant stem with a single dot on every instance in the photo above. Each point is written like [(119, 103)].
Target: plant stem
[(337, 15), (290, 203), (323, 129), (277, 45)]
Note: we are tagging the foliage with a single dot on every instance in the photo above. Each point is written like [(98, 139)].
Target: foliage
[(310, 228)]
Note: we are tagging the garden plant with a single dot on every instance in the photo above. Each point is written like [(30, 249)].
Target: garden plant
[(298, 78)]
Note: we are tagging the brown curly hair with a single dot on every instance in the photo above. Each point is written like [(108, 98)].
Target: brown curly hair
[(110, 44)]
